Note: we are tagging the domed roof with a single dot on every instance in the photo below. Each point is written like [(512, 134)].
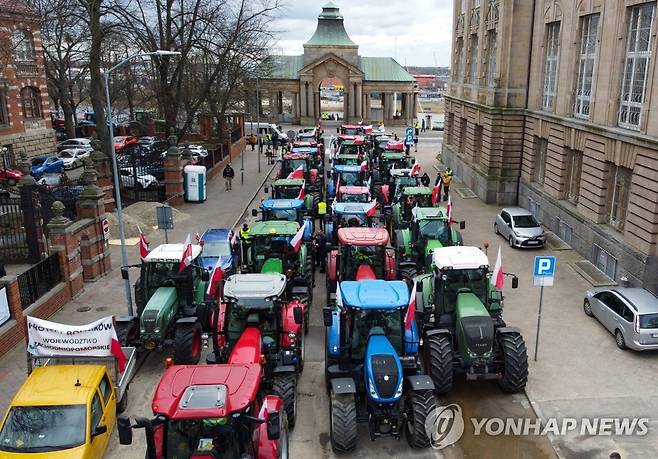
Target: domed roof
[(330, 30)]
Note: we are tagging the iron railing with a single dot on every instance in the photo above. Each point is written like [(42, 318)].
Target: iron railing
[(39, 280)]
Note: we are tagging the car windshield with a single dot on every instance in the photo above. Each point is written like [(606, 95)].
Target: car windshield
[(649, 321), (185, 436), (216, 249), (38, 161), (65, 154), (525, 221), (357, 197), (435, 229), (474, 279), (33, 429), (367, 322)]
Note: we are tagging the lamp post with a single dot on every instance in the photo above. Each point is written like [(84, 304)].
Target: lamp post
[(260, 145), (115, 172)]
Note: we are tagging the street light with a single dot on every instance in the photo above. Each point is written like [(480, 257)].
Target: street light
[(115, 172)]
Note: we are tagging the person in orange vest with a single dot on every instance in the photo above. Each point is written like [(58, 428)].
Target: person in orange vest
[(446, 179)]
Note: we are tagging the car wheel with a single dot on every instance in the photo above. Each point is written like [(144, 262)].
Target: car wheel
[(619, 338), (511, 241), (587, 307), (496, 229)]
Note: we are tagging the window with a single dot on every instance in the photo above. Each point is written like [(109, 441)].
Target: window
[(619, 186), (474, 59), (588, 38), (535, 208), (106, 389), (626, 313), (541, 150), (491, 57), (574, 171), (462, 135), (4, 110), (604, 261), (475, 15), (564, 231), (636, 66), (477, 150), (96, 411), (550, 67), (23, 47), (30, 99), (458, 60)]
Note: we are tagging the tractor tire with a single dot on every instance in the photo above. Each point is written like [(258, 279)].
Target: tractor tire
[(123, 403), (285, 386), (515, 358), (307, 302), (127, 333), (301, 353), (283, 446), (407, 274), (316, 201), (439, 362), (187, 344), (378, 194), (342, 415), (419, 407)]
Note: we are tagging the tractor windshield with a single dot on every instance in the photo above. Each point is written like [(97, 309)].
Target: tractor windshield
[(270, 247), (351, 179), (474, 279), (361, 257), (351, 221), (290, 165), (161, 274), (258, 312), (357, 197), (185, 436), (368, 322), (435, 229), (283, 214), (287, 192)]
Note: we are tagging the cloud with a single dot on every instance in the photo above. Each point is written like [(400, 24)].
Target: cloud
[(416, 31)]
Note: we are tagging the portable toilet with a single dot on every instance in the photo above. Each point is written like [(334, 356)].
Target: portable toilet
[(195, 183)]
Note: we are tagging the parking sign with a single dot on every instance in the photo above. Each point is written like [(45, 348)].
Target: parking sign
[(544, 271), (409, 136)]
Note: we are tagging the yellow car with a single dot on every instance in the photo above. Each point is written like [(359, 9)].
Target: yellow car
[(61, 411)]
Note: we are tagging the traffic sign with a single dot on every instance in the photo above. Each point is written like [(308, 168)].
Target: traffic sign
[(106, 229), (409, 136), (544, 271)]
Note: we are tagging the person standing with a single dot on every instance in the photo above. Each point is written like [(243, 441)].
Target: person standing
[(320, 255), (422, 125), (417, 128), (416, 143), (275, 141), (425, 179), (228, 175), (322, 212), (447, 178)]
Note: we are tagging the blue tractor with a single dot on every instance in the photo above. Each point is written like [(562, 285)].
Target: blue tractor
[(291, 210), (372, 369)]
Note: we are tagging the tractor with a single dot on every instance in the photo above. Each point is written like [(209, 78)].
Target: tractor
[(353, 147), (389, 160), (348, 214), (429, 229), (347, 175), (213, 411), (292, 189), (400, 179), (291, 210), (291, 162), (353, 194), (362, 254), (411, 196), (351, 129), (371, 366), (170, 304), (459, 313), (312, 148)]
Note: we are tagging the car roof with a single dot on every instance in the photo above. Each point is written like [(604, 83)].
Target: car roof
[(374, 294), (171, 252), (643, 300), (56, 385), (359, 236), (274, 228), (516, 211), (255, 285), (216, 234), (459, 257), (282, 204)]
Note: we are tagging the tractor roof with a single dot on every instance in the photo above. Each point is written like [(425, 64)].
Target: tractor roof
[(274, 228), (289, 182), (293, 156), (350, 208), (357, 141), (348, 156), (429, 213), (374, 294), (347, 168), (399, 172), (255, 286), (351, 126), (304, 143), (459, 257), (282, 204), (417, 191), (171, 252), (206, 391), (344, 137), (363, 236), (303, 151), (397, 145), (392, 154), (351, 189)]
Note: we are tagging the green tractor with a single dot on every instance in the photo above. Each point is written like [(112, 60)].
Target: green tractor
[(411, 196), (171, 306), (459, 314), (292, 189), (429, 229)]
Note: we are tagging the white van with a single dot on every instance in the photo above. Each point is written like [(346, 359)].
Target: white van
[(261, 129)]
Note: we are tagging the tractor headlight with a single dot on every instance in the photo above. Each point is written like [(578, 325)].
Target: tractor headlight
[(157, 330), (398, 392), (292, 336), (371, 388)]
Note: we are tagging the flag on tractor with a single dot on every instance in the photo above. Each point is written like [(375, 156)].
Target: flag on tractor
[(215, 283), (415, 169), (411, 309), (297, 173), (337, 187), (436, 193), (296, 241), (233, 237), (197, 236), (302, 192), (143, 245), (115, 349), (497, 276), (364, 166), (449, 211), (186, 257), (372, 208)]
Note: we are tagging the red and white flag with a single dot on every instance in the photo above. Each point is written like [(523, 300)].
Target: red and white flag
[(115, 349), (215, 284), (233, 237), (337, 187), (364, 166), (436, 193), (302, 192), (497, 276), (197, 236), (449, 211), (411, 309), (372, 208), (296, 241), (143, 245), (415, 169), (297, 173), (186, 257)]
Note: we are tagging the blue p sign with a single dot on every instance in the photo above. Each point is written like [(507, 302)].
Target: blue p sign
[(544, 266)]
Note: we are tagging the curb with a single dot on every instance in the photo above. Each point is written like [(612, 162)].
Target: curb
[(552, 439), (265, 179)]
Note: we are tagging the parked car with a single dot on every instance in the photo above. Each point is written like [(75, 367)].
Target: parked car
[(198, 151), (217, 246), (519, 227), (143, 180), (631, 314), (74, 143), (52, 179), (438, 125), (10, 176), (122, 141), (74, 157), (46, 165)]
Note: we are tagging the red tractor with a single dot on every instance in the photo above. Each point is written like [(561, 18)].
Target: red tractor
[(303, 166), (362, 253)]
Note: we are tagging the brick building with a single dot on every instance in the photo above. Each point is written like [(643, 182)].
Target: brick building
[(552, 106), (24, 105)]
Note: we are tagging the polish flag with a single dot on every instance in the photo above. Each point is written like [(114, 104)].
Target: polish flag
[(197, 236), (337, 187), (497, 277), (436, 194), (234, 237), (302, 192), (415, 169), (372, 208), (449, 211), (297, 173), (186, 257), (296, 241), (215, 284), (411, 309), (115, 349), (143, 245), (364, 166)]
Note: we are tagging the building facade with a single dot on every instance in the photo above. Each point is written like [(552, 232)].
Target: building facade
[(25, 123), (552, 106)]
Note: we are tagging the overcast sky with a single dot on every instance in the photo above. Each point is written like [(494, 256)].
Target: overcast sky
[(423, 28)]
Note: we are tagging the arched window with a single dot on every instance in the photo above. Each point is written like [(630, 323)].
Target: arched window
[(4, 110), (23, 45), (31, 99)]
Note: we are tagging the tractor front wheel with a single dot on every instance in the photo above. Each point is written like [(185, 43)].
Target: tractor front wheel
[(419, 407), (407, 274), (439, 362), (283, 447), (285, 386), (187, 344), (342, 411), (515, 358), (301, 347)]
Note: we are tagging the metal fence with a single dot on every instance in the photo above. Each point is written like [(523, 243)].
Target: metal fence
[(67, 193), (39, 279), (141, 175), (13, 240)]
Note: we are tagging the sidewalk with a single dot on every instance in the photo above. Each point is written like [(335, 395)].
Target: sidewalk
[(107, 296)]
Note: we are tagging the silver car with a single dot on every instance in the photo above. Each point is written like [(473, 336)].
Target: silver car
[(519, 227), (631, 314)]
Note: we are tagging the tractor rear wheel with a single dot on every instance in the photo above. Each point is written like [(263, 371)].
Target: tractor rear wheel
[(283, 446), (316, 201), (342, 413), (301, 350), (127, 333), (187, 344), (419, 407), (439, 362), (515, 358), (285, 386), (407, 274)]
